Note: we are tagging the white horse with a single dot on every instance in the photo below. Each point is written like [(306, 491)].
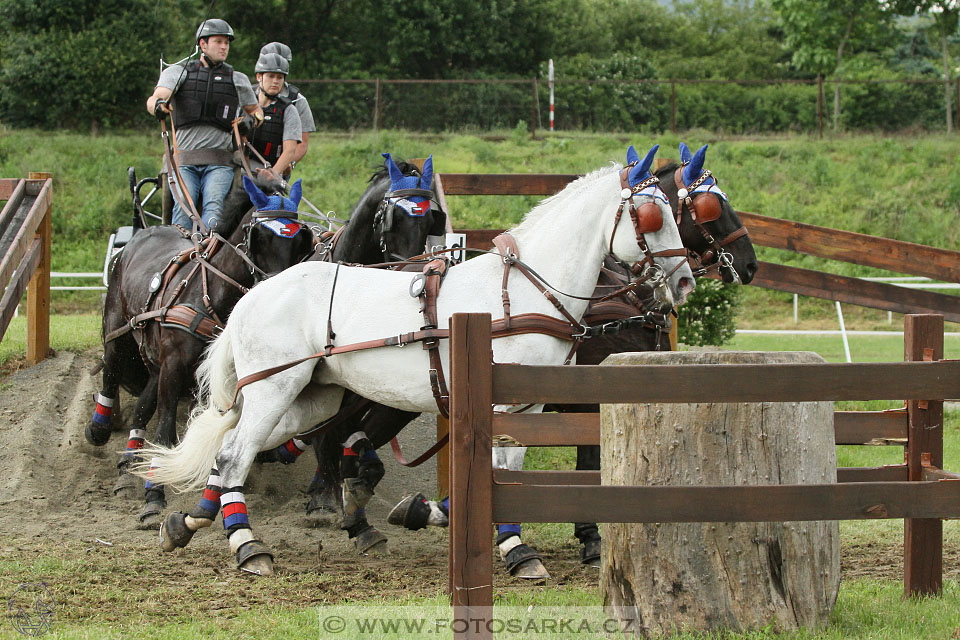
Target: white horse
[(564, 239)]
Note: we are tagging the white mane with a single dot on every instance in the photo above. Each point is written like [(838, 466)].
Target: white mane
[(572, 190)]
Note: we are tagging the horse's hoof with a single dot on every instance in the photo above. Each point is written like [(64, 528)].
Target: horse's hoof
[(174, 532), (127, 486), (590, 553), (149, 516), (412, 512), (97, 435), (371, 542), (256, 558), (322, 512), (524, 562)]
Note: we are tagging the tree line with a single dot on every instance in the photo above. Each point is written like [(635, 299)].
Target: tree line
[(91, 63)]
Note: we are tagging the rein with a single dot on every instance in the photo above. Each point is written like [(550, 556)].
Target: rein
[(170, 152)]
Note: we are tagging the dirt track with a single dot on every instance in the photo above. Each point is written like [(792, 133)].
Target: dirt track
[(56, 500)]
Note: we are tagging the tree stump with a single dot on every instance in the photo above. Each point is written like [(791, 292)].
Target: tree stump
[(669, 577)]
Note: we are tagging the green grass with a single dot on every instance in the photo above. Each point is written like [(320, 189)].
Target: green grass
[(67, 333)]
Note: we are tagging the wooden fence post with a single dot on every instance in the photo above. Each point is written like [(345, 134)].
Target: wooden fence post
[(534, 108), (471, 472), (923, 537), (673, 106), (38, 291)]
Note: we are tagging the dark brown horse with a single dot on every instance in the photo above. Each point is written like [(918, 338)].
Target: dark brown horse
[(167, 295)]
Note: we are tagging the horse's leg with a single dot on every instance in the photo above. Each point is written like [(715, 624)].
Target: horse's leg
[(126, 483), (98, 431), (325, 508), (361, 471), (174, 379), (588, 459), (178, 528), (521, 561)]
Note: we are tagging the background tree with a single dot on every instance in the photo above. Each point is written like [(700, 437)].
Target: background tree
[(92, 56), (820, 32)]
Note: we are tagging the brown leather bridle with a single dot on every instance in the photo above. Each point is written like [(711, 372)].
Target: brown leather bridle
[(703, 210)]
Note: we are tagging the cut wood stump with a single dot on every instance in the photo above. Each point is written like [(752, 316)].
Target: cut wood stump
[(669, 577)]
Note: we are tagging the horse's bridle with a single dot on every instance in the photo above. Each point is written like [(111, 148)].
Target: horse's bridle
[(646, 219), (716, 257), (383, 219), (244, 248)]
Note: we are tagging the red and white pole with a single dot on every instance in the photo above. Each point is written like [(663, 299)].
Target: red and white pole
[(550, 79)]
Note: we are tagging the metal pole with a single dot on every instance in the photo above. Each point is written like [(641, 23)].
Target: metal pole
[(820, 106), (550, 80), (673, 106), (796, 315), (843, 332), (376, 105)]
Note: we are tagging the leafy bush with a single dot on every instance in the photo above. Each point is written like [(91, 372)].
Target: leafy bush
[(708, 317)]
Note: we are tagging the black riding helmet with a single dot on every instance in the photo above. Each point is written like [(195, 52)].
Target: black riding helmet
[(278, 48), (214, 27)]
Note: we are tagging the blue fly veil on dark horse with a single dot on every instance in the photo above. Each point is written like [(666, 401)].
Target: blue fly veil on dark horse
[(271, 209)]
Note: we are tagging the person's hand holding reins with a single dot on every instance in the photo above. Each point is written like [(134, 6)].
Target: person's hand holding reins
[(161, 109)]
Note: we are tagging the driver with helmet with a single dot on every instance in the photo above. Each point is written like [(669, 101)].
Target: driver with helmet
[(277, 138), (204, 96)]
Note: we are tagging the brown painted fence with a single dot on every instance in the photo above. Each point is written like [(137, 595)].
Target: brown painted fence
[(918, 490), (25, 230)]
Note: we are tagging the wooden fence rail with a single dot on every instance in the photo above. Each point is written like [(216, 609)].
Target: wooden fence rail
[(919, 490), (25, 234)]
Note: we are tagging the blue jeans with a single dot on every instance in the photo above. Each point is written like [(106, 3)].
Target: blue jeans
[(208, 186)]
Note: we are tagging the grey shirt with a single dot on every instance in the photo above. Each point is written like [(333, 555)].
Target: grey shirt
[(205, 136), (303, 108)]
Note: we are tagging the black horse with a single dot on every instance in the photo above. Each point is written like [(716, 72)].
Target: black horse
[(716, 240), (167, 295)]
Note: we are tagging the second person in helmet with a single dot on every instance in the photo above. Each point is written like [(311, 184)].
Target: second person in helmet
[(277, 138), (293, 95)]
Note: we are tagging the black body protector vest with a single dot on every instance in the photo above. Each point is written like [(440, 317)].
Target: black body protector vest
[(267, 139), (207, 96)]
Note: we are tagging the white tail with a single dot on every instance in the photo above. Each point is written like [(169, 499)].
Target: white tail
[(187, 466)]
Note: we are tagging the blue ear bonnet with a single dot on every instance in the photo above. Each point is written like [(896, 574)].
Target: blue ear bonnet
[(693, 168), (412, 205), (263, 202), (641, 171), (280, 226)]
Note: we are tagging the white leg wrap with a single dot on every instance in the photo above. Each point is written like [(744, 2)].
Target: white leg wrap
[(349, 442), (238, 538), (197, 523), (138, 433), (104, 400), (509, 458), (437, 518), (508, 544)]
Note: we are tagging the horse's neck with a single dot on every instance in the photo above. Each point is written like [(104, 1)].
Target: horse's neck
[(359, 243), (564, 245), (229, 262)]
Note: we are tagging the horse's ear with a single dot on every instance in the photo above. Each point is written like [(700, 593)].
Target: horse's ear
[(647, 161), (695, 168), (632, 155), (642, 170), (257, 197), (685, 155), (395, 174), (296, 193), (426, 176)]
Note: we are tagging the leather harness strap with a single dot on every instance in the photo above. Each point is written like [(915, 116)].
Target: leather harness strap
[(712, 255)]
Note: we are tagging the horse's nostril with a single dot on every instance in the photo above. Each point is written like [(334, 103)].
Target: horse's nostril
[(749, 271)]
